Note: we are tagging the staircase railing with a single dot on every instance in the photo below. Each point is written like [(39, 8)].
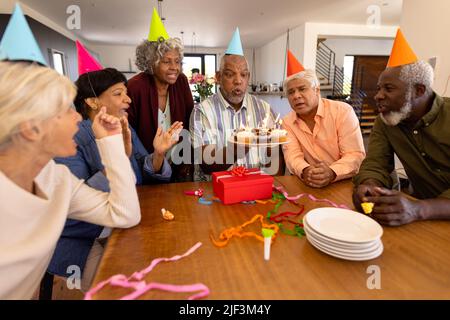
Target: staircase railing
[(344, 90), (325, 61), (355, 97), (342, 87), (339, 81)]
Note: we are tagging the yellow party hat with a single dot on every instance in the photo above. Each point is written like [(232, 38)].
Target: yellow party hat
[(157, 29)]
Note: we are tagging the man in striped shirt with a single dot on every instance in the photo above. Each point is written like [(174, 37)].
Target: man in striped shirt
[(213, 121)]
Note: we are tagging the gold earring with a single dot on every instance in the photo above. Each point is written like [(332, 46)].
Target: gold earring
[(95, 107)]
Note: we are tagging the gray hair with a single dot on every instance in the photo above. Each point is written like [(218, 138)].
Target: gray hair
[(150, 53), (420, 72), (30, 92), (308, 74), (222, 61)]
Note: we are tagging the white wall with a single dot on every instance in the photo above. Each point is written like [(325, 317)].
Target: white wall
[(119, 57), (7, 6), (314, 30), (278, 104), (115, 56), (270, 58), (346, 46), (425, 25), (303, 43)]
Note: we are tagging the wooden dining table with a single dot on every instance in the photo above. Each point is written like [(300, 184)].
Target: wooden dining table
[(415, 263)]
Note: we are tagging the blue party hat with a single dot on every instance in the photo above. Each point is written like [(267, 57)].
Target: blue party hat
[(18, 42), (235, 46)]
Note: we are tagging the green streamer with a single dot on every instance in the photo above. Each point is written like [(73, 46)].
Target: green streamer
[(297, 231)]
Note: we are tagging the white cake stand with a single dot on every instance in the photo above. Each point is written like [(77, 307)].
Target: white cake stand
[(257, 144)]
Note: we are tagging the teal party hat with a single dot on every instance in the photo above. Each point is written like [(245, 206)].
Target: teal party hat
[(235, 46), (18, 42)]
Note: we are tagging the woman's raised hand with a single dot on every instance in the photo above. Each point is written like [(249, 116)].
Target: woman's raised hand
[(105, 125), (163, 141), (126, 132)]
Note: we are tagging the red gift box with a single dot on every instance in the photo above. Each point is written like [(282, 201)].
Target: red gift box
[(246, 185)]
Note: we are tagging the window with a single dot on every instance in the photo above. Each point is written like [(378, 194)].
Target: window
[(58, 61), (205, 63), (190, 63), (348, 74)]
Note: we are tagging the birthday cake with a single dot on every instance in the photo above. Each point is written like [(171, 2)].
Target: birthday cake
[(265, 133), (259, 135)]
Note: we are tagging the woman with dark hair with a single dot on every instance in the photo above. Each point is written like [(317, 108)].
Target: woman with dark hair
[(104, 88), (160, 95)]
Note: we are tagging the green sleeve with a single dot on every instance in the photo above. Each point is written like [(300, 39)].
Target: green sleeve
[(445, 194), (379, 162)]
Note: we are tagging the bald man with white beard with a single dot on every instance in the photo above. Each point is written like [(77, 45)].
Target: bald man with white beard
[(414, 123)]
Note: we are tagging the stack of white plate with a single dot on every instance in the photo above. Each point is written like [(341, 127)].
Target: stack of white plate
[(343, 234)]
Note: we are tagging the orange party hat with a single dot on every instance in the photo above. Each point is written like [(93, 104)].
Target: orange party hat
[(293, 65), (401, 53)]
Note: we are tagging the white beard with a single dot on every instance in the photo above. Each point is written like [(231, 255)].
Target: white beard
[(393, 118)]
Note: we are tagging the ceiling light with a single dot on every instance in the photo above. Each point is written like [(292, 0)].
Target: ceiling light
[(160, 10)]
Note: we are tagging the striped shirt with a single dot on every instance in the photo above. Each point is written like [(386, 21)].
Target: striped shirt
[(213, 121)]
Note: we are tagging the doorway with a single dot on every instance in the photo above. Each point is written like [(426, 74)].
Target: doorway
[(366, 70)]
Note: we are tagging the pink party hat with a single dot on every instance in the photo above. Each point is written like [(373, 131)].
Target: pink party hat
[(86, 63)]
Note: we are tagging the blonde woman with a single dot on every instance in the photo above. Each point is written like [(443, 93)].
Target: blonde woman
[(37, 123)]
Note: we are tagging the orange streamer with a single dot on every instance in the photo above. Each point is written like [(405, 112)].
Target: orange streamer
[(229, 233), (266, 201)]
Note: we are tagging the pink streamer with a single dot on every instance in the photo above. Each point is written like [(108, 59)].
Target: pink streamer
[(140, 287), (310, 196)]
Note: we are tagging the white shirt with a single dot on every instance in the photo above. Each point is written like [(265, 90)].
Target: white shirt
[(164, 118), (165, 122), (31, 224)]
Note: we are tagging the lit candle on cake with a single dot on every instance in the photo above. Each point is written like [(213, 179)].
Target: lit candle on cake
[(266, 120), (276, 120)]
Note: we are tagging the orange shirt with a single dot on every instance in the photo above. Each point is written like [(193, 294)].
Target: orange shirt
[(336, 140)]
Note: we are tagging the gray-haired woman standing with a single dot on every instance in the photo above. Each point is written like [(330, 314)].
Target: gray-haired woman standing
[(160, 95)]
